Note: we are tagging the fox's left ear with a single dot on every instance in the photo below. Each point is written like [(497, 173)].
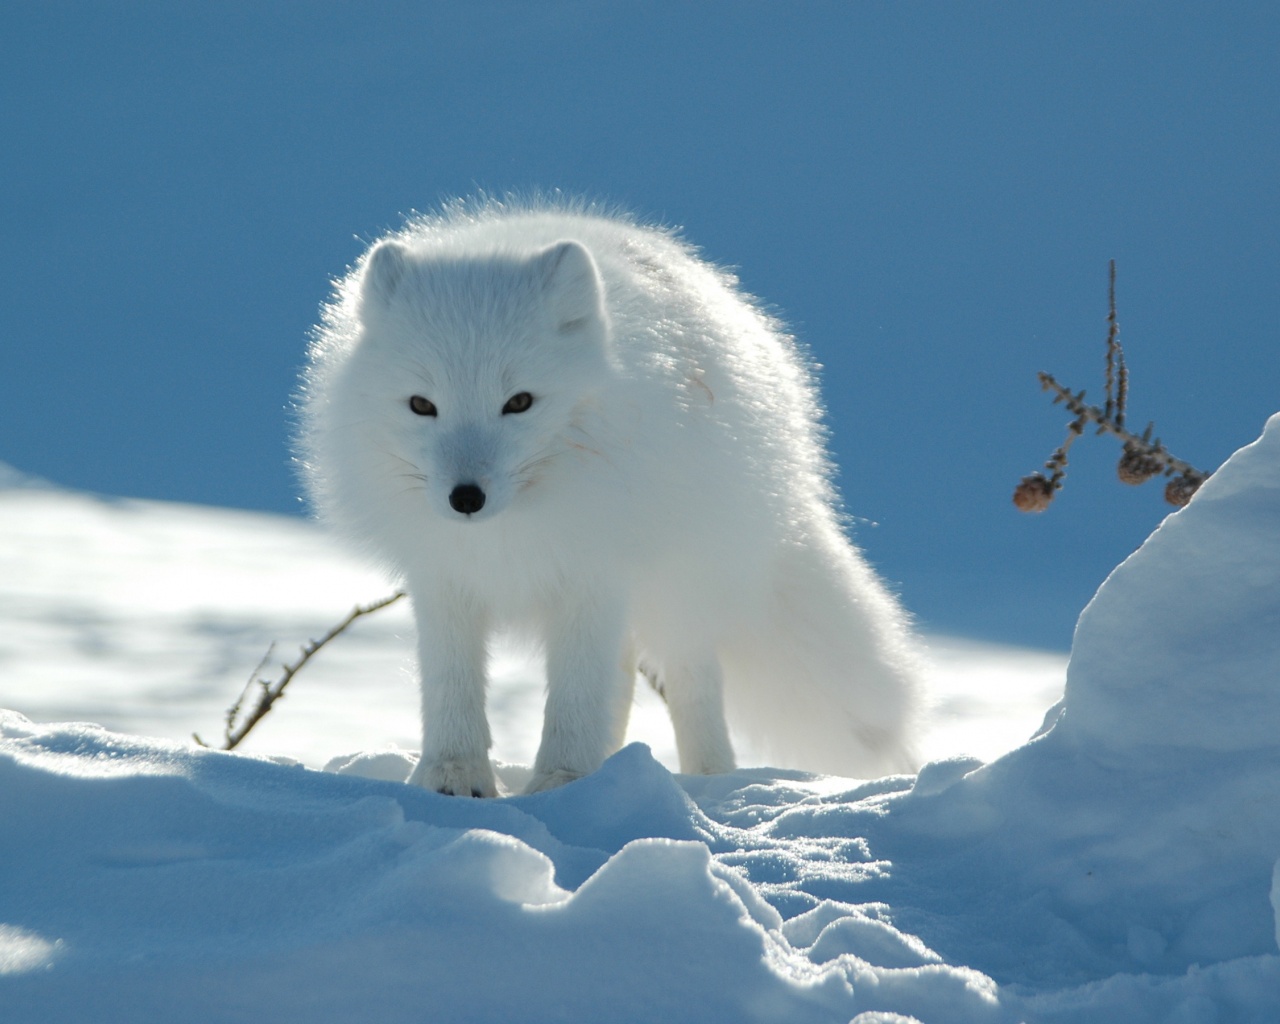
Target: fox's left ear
[(572, 285)]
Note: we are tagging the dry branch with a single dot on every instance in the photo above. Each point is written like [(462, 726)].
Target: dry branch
[(1143, 456), (271, 691)]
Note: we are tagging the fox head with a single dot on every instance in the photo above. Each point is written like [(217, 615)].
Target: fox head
[(477, 369)]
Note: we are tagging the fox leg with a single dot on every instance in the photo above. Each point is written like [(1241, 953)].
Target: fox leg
[(452, 630), (590, 675), (694, 692), (625, 698)]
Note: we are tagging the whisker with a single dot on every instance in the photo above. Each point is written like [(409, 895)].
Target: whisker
[(400, 458)]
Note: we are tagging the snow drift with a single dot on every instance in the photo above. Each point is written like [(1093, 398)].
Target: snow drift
[(1121, 866)]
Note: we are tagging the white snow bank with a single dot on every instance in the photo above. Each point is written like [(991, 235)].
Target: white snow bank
[(1178, 648), (1119, 867), (13, 479), (143, 880)]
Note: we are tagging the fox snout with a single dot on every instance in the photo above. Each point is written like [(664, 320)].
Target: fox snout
[(468, 461), (466, 498)]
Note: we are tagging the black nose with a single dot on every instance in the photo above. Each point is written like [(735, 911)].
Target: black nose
[(466, 498)]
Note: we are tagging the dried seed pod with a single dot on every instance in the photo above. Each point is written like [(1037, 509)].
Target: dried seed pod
[(1033, 493), (1179, 490), (1137, 465)]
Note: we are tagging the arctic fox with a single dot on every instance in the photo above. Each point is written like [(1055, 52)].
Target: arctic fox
[(551, 419)]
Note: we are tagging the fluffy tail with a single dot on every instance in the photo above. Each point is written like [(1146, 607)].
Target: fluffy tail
[(829, 680)]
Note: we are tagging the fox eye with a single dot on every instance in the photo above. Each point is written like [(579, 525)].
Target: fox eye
[(518, 403), (422, 406)]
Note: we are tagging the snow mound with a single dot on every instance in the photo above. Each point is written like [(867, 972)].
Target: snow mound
[(1178, 648), (1121, 866), (144, 879), (12, 478)]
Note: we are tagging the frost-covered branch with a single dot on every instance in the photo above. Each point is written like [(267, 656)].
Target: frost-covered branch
[(271, 691), (1143, 456)]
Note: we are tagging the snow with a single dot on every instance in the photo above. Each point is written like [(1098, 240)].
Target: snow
[(1124, 865)]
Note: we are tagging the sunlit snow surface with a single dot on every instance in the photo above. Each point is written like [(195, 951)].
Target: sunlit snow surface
[(1118, 868)]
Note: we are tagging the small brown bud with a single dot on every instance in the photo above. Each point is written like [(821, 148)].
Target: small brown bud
[(1137, 465), (1033, 494), (1179, 490)]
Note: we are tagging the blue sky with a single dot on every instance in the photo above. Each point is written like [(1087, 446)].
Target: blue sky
[(928, 192)]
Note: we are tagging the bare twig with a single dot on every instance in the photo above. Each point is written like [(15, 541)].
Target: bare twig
[(270, 692), (1116, 396), (1143, 457)]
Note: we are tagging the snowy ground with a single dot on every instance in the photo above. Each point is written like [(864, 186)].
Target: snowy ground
[(1118, 868)]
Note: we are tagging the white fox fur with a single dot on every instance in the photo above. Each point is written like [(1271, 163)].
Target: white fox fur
[(664, 501)]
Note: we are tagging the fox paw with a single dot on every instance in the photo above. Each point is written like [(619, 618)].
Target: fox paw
[(544, 780), (456, 776)]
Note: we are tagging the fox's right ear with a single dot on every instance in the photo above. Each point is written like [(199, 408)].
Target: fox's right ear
[(384, 269), (573, 285)]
